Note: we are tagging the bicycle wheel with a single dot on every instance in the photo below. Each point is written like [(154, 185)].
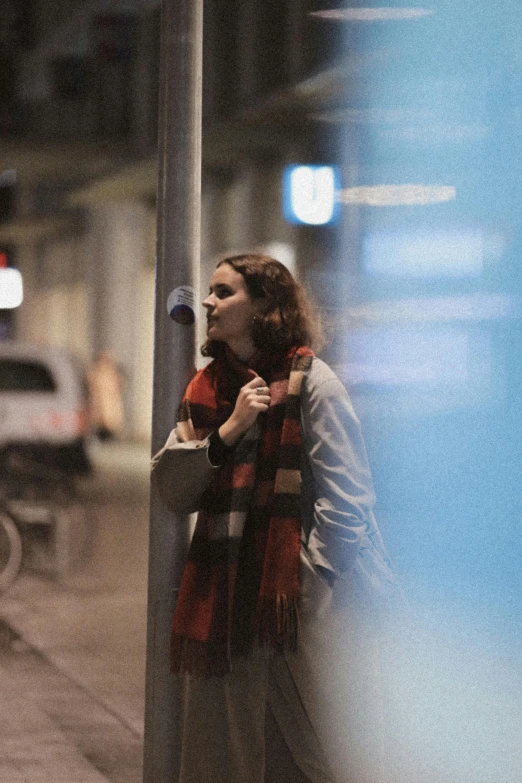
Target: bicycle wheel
[(10, 551)]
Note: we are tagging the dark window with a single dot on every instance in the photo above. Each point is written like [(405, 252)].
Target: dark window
[(221, 62), (7, 202), (25, 376), (322, 40), (26, 23), (8, 98), (115, 49), (271, 45), (72, 77)]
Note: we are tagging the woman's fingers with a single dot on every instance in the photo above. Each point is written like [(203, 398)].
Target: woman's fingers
[(255, 383), (253, 399), (263, 396), (258, 391)]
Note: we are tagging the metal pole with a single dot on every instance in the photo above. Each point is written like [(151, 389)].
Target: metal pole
[(177, 273)]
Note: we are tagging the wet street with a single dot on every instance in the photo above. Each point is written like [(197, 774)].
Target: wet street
[(72, 655)]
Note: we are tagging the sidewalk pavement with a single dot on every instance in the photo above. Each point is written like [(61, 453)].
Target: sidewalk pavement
[(53, 731), (72, 652)]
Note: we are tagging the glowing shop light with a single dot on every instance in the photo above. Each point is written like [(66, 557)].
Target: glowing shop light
[(371, 14), (310, 194), (11, 289), (397, 195)]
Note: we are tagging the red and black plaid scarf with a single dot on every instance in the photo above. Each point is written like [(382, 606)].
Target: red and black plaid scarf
[(240, 586)]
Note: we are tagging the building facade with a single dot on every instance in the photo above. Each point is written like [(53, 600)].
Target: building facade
[(80, 132)]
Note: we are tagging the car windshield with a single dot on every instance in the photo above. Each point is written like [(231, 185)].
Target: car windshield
[(25, 376)]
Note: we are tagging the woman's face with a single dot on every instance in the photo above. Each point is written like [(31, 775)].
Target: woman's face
[(230, 311)]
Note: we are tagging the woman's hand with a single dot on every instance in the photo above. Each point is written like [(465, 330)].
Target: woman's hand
[(253, 399)]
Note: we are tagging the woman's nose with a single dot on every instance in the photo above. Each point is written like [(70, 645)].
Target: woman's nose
[(208, 302)]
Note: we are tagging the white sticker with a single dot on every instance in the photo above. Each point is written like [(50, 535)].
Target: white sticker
[(180, 305)]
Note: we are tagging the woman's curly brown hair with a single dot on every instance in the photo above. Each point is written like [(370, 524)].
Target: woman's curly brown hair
[(286, 317)]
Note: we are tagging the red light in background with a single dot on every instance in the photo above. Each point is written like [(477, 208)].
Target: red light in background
[(3, 260)]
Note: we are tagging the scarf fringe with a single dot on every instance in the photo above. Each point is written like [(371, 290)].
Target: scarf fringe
[(278, 623), (278, 628)]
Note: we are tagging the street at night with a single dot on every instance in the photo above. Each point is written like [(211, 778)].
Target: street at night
[(72, 665)]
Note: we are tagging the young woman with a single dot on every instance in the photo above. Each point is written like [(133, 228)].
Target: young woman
[(274, 606)]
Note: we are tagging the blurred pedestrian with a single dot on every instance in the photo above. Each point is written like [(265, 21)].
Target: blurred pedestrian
[(106, 382), (276, 597)]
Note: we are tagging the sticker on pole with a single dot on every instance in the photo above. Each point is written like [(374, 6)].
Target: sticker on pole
[(180, 305)]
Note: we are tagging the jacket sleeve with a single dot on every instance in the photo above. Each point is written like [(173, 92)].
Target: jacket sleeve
[(343, 494), (182, 472)]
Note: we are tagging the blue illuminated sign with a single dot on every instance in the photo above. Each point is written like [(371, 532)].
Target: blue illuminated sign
[(309, 194)]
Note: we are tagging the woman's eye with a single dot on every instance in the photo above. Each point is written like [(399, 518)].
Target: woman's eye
[(222, 293)]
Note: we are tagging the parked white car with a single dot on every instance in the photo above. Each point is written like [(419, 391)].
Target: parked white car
[(44, 405)]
